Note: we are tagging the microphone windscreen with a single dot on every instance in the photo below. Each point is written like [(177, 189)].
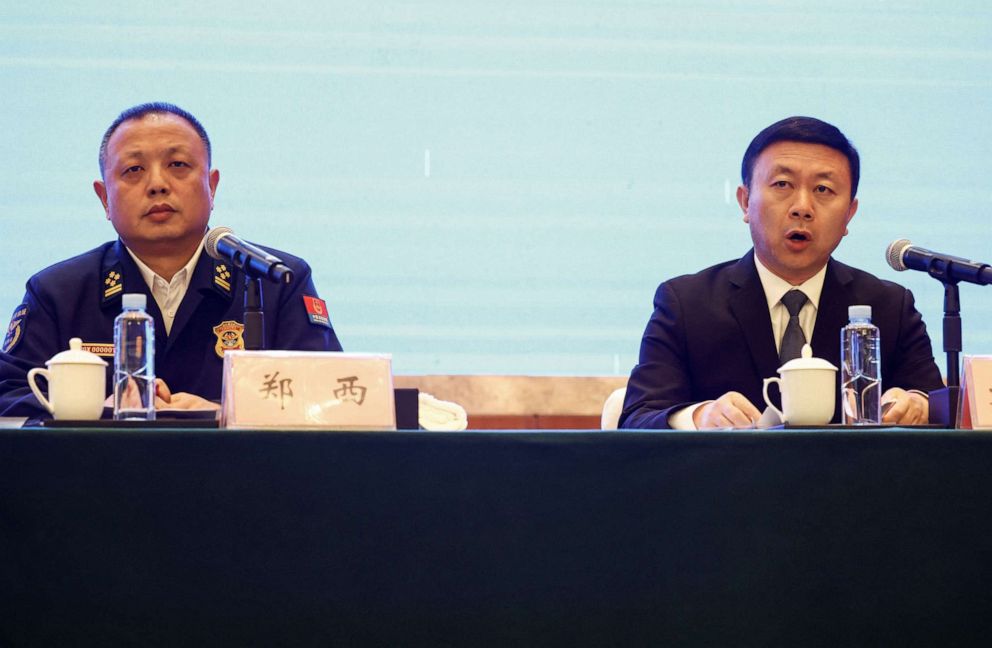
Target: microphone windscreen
[(214, 235), (894, 254)]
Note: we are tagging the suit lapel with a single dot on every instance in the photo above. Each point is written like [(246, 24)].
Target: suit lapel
[(120, 275), (831, 312), (119, 261), (203, 284), (750, 307)]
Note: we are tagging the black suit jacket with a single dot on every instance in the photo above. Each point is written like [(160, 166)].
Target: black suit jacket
[(711, 333)]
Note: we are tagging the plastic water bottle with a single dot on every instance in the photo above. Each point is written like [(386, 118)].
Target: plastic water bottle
[(134, 361), (861, 369)]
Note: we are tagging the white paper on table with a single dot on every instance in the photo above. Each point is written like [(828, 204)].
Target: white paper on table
[(769, 418)]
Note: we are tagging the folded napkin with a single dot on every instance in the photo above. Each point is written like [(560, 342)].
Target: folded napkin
[(439, 415)]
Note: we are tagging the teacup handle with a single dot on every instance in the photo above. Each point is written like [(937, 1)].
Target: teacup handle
[(38, 371), (768, 402)]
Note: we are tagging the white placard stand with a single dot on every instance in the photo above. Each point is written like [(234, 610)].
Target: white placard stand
[(307, 390), (975, 409)]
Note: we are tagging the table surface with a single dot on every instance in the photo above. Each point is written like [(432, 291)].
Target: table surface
[(829, 537)]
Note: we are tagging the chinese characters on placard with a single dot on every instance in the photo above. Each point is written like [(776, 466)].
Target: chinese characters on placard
[(282, 388), (273, 384), (349, 391)]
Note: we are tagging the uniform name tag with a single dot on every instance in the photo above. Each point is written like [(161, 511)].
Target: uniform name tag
[(308, 390), (104, 349)]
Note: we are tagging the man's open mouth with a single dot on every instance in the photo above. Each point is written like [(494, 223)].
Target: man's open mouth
[(799, 235)]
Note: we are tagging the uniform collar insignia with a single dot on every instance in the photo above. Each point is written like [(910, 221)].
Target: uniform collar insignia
[(112, 283), (222, 277)]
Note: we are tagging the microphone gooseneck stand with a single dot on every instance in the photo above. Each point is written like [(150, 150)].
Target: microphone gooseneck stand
[(257, 264), (944, 402), (241, 257), (254, 334)]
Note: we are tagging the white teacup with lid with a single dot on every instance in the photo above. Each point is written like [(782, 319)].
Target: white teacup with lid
[(809, 390), (77, 383)]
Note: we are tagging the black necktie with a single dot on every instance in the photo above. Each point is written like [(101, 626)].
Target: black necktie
[(793, 339)]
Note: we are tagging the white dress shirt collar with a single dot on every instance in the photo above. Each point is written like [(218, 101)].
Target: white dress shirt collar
[(775, 286), (168, 294)]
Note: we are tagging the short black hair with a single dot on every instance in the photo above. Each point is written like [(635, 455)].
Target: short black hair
[(802, 129), (152, 108)]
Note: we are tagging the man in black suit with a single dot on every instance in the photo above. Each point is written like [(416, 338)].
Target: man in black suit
[(714, 336)]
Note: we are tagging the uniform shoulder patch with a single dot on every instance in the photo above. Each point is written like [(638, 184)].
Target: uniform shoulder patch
[(15, 330), (317, 311)]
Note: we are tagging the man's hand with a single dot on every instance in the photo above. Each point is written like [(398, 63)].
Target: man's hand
[(133, 399), (904, 407), (162, 394), (732, 410), (186, 401), (165, 399)]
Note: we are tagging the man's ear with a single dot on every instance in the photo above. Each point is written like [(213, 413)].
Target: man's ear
[(742, 199), (101, 192), (214, 179)]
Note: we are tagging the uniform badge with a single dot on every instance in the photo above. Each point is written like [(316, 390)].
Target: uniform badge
[(316, 311), (112, 283), (229, 337), (15, 330), (222, 277)]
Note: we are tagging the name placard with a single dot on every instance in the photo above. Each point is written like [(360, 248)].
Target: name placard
[(307, 390), (975, 409)]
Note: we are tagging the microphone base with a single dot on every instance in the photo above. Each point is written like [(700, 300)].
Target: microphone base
[(944, 405)]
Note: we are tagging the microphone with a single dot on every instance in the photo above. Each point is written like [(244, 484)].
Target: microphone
[(223, 245), (903, 255)]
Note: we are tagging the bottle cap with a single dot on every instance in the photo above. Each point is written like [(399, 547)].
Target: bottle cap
[(134, 300), (856, 312)]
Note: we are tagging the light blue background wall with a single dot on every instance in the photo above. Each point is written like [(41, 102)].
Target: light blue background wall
[(498, 187)]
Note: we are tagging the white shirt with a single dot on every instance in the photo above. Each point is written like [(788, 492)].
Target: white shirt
[(168, 294), (775, 288)]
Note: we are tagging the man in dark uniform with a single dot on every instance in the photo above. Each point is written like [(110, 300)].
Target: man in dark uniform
[(157, 189), (716, 334)]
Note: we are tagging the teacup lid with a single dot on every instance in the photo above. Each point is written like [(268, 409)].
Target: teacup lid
[(76, 355), (807, 361)]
